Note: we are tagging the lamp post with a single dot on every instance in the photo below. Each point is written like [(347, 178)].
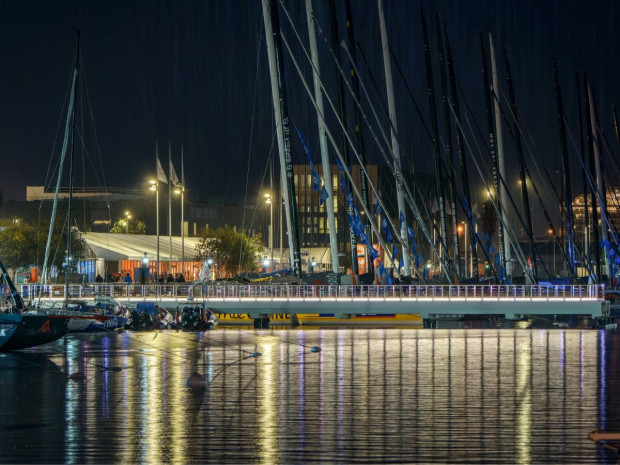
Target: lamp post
[(155, 187), (145, 264), (211, 265), (127, 218), (180, 190), (269, 200), (551, 239), (459, 229)]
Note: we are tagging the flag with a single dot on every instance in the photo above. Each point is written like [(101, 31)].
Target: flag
[(374, 252), (173, 175), (378, 208), (364, 238), (343, 184), (324, 195), (339, 164), (410, 231), (161, 176)]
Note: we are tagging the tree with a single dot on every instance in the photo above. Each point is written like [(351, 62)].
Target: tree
[(135, 227), (22, 245), (232, 250)]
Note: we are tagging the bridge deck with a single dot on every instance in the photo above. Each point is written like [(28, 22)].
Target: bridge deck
[(429, 301)]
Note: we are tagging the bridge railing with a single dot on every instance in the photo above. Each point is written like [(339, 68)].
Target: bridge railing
[(278, 291)]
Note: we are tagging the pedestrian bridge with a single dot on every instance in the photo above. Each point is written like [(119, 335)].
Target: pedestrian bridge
[(428, 301)]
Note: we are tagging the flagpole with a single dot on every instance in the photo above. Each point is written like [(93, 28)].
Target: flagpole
[(182, 216), (157, 203), (170, 207)]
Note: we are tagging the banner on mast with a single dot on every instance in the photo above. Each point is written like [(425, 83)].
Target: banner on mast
[(174, 179), (161, 176)]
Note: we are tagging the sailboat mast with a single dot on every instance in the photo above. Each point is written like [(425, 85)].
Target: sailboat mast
[(568, 204), (505, 255), (520, 161), (435, 135), (616, 128), (63, 153), (169, 208), (278, 91), (183, 217), (393, 131), (602, 200), (584, 172), (462, 154), (68, 259), (448, 144), (344, 146), (589, 130), (157, 204), (358, 123), (492, 146), (327, 175)]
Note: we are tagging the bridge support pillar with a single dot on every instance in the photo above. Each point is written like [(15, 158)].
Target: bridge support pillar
[(261, 323)]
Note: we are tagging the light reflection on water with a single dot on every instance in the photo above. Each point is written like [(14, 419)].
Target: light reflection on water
[(370, 396)]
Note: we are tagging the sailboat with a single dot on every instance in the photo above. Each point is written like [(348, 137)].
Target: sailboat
[(21, 328), (102, 314)]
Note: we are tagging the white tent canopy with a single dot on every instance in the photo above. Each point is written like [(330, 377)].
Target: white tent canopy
[(133, 246)]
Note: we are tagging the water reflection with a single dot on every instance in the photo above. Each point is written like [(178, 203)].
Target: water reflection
[(371, 395)]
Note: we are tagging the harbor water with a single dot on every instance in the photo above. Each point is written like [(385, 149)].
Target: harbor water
[(368, 395)]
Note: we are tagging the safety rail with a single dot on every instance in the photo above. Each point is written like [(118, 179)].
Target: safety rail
[(278, 291)]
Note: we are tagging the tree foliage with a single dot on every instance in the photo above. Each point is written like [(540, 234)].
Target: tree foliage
[(22, 245), (232, 250), (135, 227)]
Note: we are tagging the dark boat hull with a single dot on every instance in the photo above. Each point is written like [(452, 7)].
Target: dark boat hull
[(8, 324), (35, 330)]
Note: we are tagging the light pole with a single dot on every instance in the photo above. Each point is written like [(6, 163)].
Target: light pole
[(127, 218), (460, 229), (145, 264), (551, 239), (269, 200), (155, 187), (211, 265), (180, 189)]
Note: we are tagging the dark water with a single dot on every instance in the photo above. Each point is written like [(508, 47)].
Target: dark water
[(370, 396)]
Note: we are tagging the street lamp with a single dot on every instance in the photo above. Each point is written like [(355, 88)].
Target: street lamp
[(180, 190), (155, 187), (211, 265), (269, 200), (550, 231), (127, 218), (145, 264), (462, 228)]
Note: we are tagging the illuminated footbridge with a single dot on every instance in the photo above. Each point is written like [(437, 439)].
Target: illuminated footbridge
[(428, 301)]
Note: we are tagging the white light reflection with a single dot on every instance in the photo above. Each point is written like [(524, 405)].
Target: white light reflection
[(72, 394), (267, 412), (602, 399), (524, 400)]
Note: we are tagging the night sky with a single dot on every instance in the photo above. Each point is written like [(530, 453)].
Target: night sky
[(195, 73)]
